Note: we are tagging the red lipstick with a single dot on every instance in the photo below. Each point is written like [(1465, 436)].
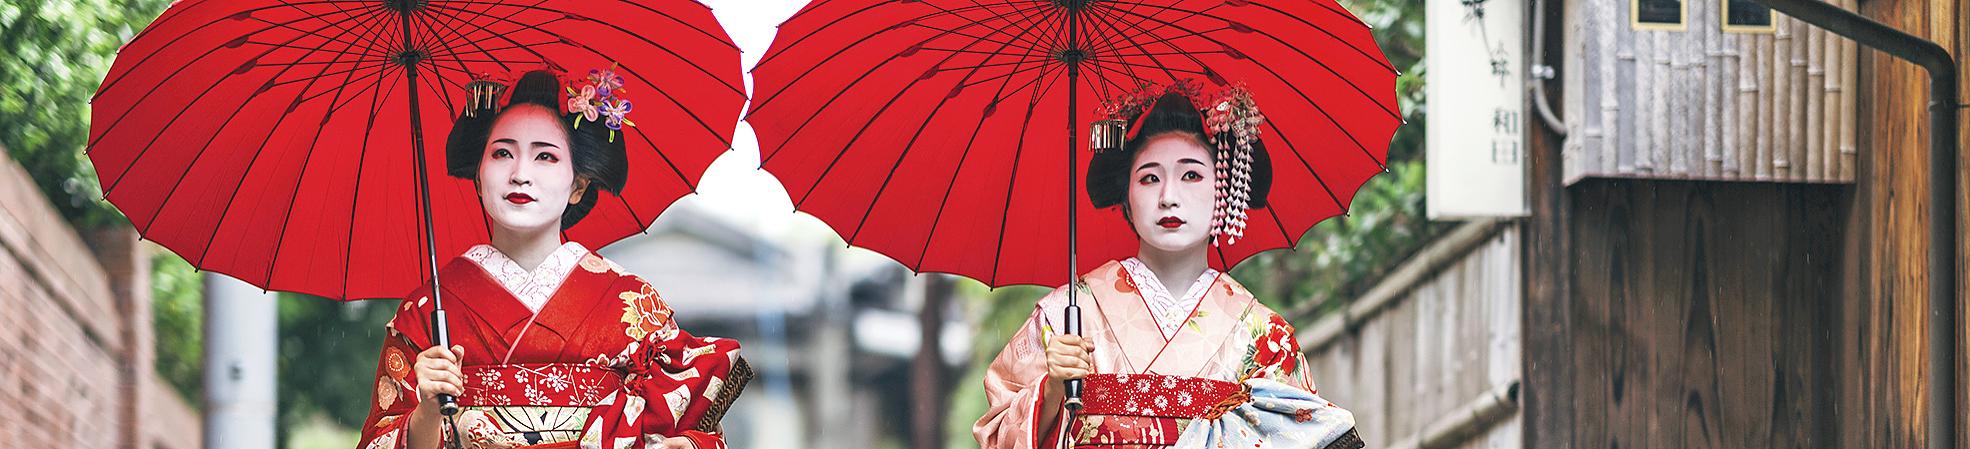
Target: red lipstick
[(519, 198), (1170, 222)]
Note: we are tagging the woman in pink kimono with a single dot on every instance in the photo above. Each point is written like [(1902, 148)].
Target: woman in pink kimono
[(1173, 353)]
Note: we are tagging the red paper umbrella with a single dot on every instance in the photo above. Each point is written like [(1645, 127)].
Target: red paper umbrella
[(945, 133), (283, 141)]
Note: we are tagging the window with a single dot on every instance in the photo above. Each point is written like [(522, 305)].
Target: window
[(1662, 15), (1747, 16)]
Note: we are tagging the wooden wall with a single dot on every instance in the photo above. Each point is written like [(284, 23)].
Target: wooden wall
[(1697, 102), (1702, 314), (1883, 344)]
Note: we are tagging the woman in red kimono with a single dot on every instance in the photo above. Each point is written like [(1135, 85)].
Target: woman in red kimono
[(1173, 353), (556, 346)]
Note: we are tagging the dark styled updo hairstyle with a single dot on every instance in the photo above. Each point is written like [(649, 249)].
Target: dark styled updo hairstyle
[(603, 163), (1108, 171)]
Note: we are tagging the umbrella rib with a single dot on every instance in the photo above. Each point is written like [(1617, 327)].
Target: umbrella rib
[(764, 158), (1309, 167), (372, 65), (1323, 30), (112, 82), (306, 164), (1113, 23), (1158, 66), (1303, 53), (1137, 25), (1132, 11), (1039, 89), (1109, 88), (646, 40), (174, 74), (850, 144), (436, 80), (1310, 101), (638, 5), (654, 86), (252, 163), (772, 55), (1291, 241), (638, 218), (1109, 21), (362, 161), (336, 103), (1151, 55), (344, 31), (1009, 74), (716, 37), (761, 104), (1013, 38), (450, 23), (453, 13), (434, 83), (361, 168), (891, 173), (167, 125), (688, 183), (963, 157)]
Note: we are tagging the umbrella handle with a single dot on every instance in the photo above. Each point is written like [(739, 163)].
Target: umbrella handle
[(447, 405), (1072, 324)]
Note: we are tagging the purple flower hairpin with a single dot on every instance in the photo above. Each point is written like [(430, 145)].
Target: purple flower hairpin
[(599, 97)]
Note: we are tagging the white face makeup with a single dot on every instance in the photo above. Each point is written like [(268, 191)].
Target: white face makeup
[(526, 179), (1171, 191)]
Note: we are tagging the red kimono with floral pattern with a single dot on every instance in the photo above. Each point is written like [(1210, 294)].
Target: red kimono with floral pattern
[(600, 365)]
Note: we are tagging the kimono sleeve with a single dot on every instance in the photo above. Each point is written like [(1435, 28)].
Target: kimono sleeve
[(1277, 356), (674, 378), (1015, 386), (393, 396)]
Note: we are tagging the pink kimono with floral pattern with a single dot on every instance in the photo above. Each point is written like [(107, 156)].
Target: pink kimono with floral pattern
[(1148, 387)]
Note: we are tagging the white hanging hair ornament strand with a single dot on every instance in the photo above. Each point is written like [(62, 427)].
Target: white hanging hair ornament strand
[(1232, 119)]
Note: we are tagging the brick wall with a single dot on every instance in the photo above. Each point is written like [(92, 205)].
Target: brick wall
[(75, 334)]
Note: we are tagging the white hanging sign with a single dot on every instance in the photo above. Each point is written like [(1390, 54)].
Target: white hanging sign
[(1475, 58)]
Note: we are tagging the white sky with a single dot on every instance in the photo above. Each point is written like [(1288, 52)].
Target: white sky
[(734, 188)]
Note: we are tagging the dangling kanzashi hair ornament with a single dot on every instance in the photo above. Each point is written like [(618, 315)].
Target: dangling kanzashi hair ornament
[(1231, 122), (599, 97)]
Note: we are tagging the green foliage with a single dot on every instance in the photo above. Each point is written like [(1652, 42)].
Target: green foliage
[(328, 352), (1386, 221), (177, 317), (57, 54)]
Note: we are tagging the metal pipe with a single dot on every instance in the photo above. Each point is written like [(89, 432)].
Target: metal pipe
[(1540, 72), (1942, 189)]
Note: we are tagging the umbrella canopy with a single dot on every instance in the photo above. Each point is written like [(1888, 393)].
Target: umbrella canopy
[(944, 133), (281, 141)]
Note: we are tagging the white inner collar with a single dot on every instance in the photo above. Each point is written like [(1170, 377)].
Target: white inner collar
[(1169, 310), (532, 288)]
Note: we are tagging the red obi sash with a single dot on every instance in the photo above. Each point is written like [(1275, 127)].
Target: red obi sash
[(539, 384), (1146, 410), (1156, 395)]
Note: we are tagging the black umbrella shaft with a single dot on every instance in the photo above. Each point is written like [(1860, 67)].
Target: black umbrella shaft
[(440, 328), (1072, 321)]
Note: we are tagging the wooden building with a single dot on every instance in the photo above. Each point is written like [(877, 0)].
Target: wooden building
[(1716, 255)]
